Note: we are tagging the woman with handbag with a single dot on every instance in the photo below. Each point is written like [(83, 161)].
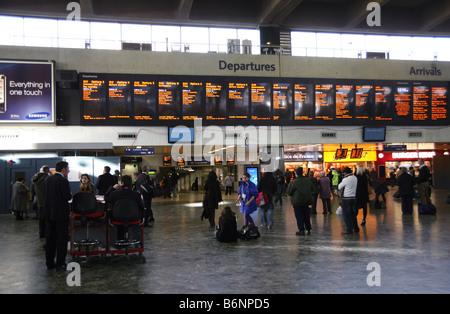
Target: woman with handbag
[(213, 196)]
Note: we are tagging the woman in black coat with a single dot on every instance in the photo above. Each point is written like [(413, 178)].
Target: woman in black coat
[(362, 192), (406, 190), (213, 196), (227, 231)]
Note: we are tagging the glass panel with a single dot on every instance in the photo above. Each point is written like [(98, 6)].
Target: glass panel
[(195, 39), (136, 33), (303, 39), (11, 30), (40, 28), (105, 31), (164, 37), (73, 29)]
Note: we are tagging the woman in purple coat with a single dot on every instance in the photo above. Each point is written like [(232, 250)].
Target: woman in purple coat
[(325, 192), (247, 195)]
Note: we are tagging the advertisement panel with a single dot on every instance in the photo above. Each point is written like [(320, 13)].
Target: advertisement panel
[(27, 91)]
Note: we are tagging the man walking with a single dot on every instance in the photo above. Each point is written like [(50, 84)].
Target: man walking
[(349, 184), (300, 191)]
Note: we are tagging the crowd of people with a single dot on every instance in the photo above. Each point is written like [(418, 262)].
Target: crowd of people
[(353, 186)]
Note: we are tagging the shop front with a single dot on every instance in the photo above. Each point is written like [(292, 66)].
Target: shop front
[(390, 161), (349, 155), (312, 161)]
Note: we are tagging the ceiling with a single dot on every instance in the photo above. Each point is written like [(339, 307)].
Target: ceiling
[(401, 17)]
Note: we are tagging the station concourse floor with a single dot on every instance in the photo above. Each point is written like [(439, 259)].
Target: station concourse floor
[(183, 257)]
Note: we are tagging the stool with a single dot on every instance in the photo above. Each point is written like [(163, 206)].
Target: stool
[(84, 206), (125, 213)]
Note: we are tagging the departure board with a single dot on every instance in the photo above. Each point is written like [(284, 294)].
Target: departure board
[(384, 100), (402, 101), (140, 99), (304, 102), (282, 101), (261, 101), (238, 101), (439, 106), (93, 98), (215, 101), (144, 93), (421, 102), (364, 102), (192, 100), (325, 102), (169, 100), (345, 101), (119, 95)]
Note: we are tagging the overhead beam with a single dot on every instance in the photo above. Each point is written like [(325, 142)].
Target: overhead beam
[(184, 9), (435, 15), (275, 11)]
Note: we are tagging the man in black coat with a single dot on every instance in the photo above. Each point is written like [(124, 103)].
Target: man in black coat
[(105, 181), (144, 185), (405, 184), (124, 192), (57, 215)]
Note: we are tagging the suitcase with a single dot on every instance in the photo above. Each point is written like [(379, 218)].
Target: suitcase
[(427, 209)]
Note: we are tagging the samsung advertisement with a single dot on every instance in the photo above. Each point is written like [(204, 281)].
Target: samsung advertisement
[(26, 91)]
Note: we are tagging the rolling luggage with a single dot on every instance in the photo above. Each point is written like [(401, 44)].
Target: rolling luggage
[(427, 209)]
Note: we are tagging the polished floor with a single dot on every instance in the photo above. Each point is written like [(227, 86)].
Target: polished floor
[(411, 253)]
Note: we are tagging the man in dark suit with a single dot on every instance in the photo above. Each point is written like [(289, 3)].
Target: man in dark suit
[(57, 215), (105, 181)]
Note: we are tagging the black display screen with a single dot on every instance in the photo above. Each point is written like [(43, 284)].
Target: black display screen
[(139, 99)]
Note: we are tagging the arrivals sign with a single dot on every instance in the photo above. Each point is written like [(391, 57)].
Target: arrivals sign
[(27, 91)]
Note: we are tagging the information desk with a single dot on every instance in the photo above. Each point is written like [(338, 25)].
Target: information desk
[(106, 235)]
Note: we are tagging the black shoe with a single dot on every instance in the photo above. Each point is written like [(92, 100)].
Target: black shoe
[(300, 233), (363, 223), (62, 267), (50, 267)]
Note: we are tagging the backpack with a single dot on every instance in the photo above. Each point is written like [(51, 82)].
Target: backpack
[(249, 232)]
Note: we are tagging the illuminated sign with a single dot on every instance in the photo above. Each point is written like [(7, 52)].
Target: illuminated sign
[(413, 155), (365, 156), (341, 153), (145, 99), (26, 92), (167, 160), (356, 153)]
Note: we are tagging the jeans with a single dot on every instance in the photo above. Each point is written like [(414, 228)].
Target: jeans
[(349, 211), (302, 216), (267, 215)]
